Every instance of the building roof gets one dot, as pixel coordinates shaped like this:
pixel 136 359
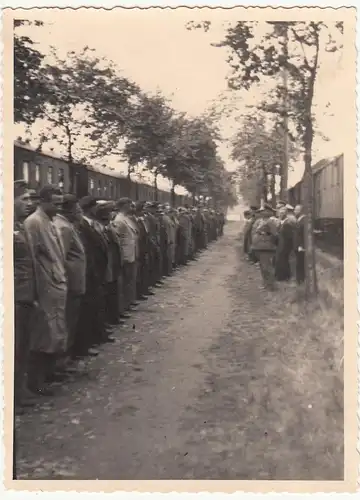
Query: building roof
pixel 320 165
pixel 297 176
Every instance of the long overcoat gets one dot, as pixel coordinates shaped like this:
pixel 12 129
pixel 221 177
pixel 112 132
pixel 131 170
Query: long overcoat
pixel 50 334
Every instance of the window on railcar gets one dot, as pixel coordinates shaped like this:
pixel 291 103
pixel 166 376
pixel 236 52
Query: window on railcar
pixel 111 189
pixel 61 177
pixel 91 184
pixel 26 171
pixel 50 177
pixel 99 187
pixel 37 174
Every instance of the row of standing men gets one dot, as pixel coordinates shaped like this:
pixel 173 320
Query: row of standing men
pixel 275 239
pixel 81 267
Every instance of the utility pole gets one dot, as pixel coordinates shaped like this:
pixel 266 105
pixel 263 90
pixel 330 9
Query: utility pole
pixel 282 28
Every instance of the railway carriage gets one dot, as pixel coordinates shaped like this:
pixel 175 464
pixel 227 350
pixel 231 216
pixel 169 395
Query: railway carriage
pixel 40 168
pixel 328 186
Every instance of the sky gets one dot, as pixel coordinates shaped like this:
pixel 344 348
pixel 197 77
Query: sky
pixel 154 48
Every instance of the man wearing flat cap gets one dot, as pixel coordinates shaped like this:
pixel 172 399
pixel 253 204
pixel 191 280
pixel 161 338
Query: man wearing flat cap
pixel 24 295
pixel 67 222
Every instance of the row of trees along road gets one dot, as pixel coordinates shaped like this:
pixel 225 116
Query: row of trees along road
pixel 93 111
pixel 293 50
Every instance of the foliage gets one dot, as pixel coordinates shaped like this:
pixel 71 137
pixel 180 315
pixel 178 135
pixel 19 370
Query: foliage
pixel 94 112
pixel 258 151
pixel 293 50
pixel 30 91
pixel 84 88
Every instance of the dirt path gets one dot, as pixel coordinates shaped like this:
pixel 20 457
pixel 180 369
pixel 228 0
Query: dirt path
pixel 193 388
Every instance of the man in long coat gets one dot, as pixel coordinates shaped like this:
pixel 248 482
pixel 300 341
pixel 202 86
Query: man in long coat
pixel 91 324
pixel 128 235
pixel 75 263
pixel 50 335
pixel 102 215
pixel 284 246
pixel 143 269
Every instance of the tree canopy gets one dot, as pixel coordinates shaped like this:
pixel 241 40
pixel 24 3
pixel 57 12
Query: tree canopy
pixel 93 111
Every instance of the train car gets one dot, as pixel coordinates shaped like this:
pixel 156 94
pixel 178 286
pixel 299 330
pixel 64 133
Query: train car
pixel 39 168
pixel 328 186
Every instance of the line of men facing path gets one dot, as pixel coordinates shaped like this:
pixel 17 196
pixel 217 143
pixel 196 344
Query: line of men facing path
pixel 275 239
pixel 81 266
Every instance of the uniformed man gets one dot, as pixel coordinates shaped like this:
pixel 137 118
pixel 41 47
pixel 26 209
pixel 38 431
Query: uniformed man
pixel 263 236
pixel 24 295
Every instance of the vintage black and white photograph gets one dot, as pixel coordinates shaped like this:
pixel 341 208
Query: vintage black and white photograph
pixel 179 188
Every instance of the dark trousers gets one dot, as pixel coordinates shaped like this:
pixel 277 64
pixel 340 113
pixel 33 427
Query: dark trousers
pixel 129 283
pixel 91 323
pixel 111 302
pixel 41 366
pixel 142 277
pixel 23 316
pixel 266 267
pixel 73 303
pixel 282 266
pixel 300 267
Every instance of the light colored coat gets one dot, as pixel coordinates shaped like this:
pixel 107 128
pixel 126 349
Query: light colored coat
pixel 128 235
pixel 50 334
pixel 75 262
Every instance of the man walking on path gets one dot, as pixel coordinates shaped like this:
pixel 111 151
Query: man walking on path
pixel 263 237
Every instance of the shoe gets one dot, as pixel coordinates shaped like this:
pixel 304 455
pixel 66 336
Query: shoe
pixel 92 353
pixel 109 340
pixel 125 315
pixel 150 292
pixel 143 297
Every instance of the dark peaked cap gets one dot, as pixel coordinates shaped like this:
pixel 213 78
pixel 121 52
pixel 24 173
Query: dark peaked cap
pixel 87 202
pixel 104 209
pixel 20 187
pixel 69 202
pixel 123 201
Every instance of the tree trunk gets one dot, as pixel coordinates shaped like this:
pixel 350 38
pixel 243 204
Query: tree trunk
pixel 264 187
pixel 156 191
pixel 311 285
